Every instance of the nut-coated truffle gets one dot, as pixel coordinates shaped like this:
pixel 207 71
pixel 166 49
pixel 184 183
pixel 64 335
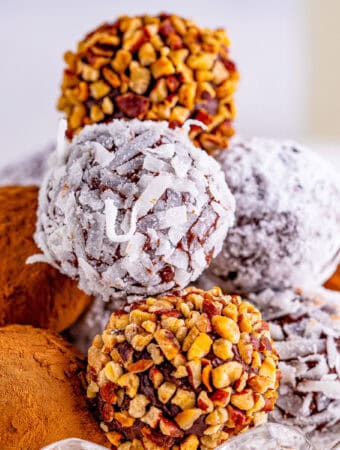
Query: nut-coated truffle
pixel 189 369
pixel 287 227
pixel 133 208
pixel 31 294
pixel 42 390
pixel 154 68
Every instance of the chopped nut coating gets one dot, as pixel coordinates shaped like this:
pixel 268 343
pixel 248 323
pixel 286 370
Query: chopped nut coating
pixel 169 68
pixel 153 390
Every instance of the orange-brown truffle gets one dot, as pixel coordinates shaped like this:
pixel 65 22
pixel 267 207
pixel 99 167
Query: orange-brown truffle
pixel 34 294
pixel 41 390
pixel 152 67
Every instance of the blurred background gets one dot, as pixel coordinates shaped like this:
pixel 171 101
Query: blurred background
pixel 287 53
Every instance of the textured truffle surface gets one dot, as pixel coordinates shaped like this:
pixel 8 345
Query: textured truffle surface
pixel 152 68
pixel 306 331
pixel 42 391
pixel 31 294
pixel 190 369
pixel 133 208
pixel 287 228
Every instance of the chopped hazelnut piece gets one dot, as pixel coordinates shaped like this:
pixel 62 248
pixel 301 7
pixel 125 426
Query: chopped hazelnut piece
pixel 166 391
pixel 184 399
pixel 225 374
pixel 200 347
pixel 226 328
pixel 186 419
pixel 168 343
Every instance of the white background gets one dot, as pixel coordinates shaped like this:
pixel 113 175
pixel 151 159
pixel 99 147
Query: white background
pixel 272 43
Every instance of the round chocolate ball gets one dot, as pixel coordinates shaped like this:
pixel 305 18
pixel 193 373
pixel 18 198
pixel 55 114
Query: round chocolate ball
pixel 133 208
pixel 306 330
pixel 32 294
pixel 287 228
pixel 42 390
pixel 189 369
pixel 155 68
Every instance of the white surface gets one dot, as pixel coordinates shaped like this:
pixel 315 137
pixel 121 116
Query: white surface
pixel 269 44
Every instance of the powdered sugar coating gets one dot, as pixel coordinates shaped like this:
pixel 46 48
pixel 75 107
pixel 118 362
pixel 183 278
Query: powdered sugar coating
pixel 287 229
pixel 133 208
pixel 306 329
pixel 30 171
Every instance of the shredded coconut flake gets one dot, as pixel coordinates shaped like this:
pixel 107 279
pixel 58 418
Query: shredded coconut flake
pixel 310 356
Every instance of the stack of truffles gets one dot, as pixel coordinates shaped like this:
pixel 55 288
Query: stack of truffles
pixel 145 194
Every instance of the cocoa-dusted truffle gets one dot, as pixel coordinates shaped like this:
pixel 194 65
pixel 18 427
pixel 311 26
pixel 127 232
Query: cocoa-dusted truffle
pixel 42 390
pixel 156 68
pixel 133 208
pixel 31 294
pixel 287 227
pixel 306 331
pixel 191 368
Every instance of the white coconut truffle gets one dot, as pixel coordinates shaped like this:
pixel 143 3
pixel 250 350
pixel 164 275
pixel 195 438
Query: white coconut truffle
pixel 132 208
pixel 287 228
pixel 306 330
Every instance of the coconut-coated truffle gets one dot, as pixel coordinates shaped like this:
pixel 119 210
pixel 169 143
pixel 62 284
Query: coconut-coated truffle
pixel 189 369
pixel 305 327
pixel 287 227
pixel 35 294
pixel 133 208
pixel 42 390
pixel 152 68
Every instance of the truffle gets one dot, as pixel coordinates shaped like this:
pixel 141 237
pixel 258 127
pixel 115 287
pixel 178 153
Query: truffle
pixel 306 331
pixel 31 294
pixel 191 368
pixel 156 68
pixel 28 172
pixel 42 390
pixel 133 208
pixel 270 436
pixel 73 444
pixel 287 227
